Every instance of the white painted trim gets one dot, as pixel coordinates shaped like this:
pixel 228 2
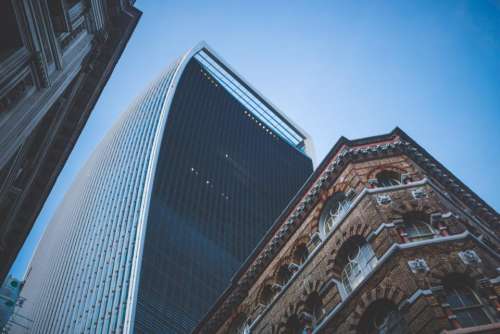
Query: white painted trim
pixel 388 254
pixel 148 189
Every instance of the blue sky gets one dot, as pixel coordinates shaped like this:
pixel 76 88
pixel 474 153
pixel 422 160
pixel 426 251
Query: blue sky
pixel 352 68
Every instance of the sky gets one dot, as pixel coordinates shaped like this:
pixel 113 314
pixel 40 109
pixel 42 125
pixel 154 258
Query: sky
pixel 336 68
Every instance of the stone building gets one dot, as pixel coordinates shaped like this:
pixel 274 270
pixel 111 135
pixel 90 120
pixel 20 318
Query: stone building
pixel 381 239
pixel 55 58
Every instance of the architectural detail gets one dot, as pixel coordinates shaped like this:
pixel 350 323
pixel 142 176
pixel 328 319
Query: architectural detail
pixel 383 199
pixel 392 268
pixel 469 256
pixel 418 193
pixel 372 182
pixel 51 75
pixel 405 178
pixel 418 266
pixel 168 207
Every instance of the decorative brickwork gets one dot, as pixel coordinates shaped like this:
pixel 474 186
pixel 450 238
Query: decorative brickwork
pixel 408 249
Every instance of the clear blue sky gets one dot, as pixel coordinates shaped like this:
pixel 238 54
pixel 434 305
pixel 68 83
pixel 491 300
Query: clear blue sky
pixel 352 68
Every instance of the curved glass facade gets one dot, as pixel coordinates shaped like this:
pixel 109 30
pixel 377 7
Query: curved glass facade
pixel 168 207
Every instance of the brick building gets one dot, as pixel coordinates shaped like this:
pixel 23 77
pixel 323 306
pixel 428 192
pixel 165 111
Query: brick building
pixel 381 239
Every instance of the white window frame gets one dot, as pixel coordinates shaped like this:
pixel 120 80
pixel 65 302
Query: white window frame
pixel 358 266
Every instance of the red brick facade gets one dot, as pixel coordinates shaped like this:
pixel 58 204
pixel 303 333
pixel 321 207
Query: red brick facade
pixel 415 253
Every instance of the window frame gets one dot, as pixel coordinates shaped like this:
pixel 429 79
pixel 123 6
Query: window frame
pixel 300 254
pixel 315 308
pixel 459 291
pixel 283 274
pixel 335 209
pixel 393 320
pixel 389 178
pixel 364 261
pixel 413 224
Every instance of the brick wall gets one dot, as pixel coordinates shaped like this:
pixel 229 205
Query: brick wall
pixel 380 216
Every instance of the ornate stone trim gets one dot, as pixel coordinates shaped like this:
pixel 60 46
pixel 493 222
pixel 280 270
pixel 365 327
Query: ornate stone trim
pixel 383 199
pixel 418 266
pixel 418 193
pixel 469 257
pixel 325 180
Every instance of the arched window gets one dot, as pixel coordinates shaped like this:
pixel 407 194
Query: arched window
pixel 417 227
pixel 314 308
pixel 382 317
pixel 244 329
pixel 284 274
pixel 464 302
pixel 240 325
pixel 267 294
pixel 300 254
pixel 334 210
pixel 358 260
pixel 294 325
pixel 388 178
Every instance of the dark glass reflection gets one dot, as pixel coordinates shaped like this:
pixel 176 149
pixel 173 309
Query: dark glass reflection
pixel 220 183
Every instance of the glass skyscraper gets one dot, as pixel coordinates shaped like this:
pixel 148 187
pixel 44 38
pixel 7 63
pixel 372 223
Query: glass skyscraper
pixel 168 207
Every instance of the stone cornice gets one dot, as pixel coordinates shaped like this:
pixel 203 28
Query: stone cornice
pixel 390 252
pixel 342 154
pixel 396 248
pixel 84 90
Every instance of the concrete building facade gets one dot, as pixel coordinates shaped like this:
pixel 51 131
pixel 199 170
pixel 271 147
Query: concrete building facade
pixel 381 239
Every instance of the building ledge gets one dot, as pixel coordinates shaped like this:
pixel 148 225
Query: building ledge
pixel 483 329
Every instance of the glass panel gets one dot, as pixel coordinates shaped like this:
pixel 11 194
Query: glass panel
pixel 419 230
pixel 394 324
pixel 301 254
pixel 478 316
pixel 453 299
pixel 468 298
pixel 388 179
pixel 249 100
pixel 360 262
pixel 467 307
pixel 386 321
pixel 464 318
pixel 294 326
pixel 336 208
pixel 199 233
pixel 284 275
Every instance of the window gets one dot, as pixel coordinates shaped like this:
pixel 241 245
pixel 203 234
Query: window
pixel 58 15
pixel 382 317
pixel 267 295
pixel 334 210
pixel 388 178
pixel 240 325
pixel 300 254
pixel 284 274
pixel 314 308
pixel 294 326
pixel 245 329
pixel 417 228
pixel 358 261
pixel 464 302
